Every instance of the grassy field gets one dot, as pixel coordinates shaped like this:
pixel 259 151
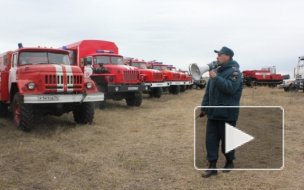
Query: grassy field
pixel 147 147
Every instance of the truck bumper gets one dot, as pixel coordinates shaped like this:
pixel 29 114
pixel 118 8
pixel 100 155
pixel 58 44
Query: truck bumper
pixel 62 98
pixel 157 84
pixel 180 82
pixel 127 87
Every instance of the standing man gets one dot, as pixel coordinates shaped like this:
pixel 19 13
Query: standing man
pixel 224 88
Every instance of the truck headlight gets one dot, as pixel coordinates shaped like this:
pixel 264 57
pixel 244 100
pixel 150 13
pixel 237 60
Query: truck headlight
pixel 31 85
pixel 89 85
pixel 116 88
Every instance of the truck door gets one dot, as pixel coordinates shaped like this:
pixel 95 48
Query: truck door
pixel 12 72
pixel 88 68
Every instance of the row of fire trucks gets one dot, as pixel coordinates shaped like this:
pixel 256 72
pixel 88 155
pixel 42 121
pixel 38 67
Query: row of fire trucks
pixel 77 77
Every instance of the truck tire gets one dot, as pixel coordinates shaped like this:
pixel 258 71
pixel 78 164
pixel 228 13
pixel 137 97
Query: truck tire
pixel 158 92
pixel 23 113
pixel 174 89
pixel 84 113
pixel 151 93
pixel 182 88
pixel 3 109
pixel 102 104
pixel 135 99
pixel 293 88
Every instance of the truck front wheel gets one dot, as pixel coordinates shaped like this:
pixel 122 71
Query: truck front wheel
pixel 135 99
pixel 23 113
pixel 3 109
pixel 158 92
pixel 175 89
pixel 84 113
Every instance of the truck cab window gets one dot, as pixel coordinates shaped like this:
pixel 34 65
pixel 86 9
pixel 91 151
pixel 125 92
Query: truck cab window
pixel 101 59
pixel 43 58
pixel 117 60
pixel 72 57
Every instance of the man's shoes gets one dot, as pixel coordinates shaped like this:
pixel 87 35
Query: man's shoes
pixel 210 172
pixel 229 165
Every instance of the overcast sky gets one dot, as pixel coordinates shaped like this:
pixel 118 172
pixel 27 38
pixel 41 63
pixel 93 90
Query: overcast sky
pixel 176 32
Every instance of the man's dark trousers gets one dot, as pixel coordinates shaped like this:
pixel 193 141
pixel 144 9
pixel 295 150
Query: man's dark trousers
pixel 214 133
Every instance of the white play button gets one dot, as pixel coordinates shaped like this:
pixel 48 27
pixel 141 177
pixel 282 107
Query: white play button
pixel 235 138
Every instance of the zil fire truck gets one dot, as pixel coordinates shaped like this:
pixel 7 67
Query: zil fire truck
pixel 188 80
pixel 185 80
pixel 173 77
pixel 42 81
pixel 153 78
pixel 265 77
pixel 100 61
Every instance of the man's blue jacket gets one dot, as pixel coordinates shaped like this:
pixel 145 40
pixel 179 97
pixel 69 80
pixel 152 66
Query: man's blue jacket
pixel 224 90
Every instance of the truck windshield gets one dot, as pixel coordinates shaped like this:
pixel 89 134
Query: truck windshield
pixel 43 58
pixel 172 68
pixel 301 63
pixel 106 59
pixel 140 65
pixel 160 67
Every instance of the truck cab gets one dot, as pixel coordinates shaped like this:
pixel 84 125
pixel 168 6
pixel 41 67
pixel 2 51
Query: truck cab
pixel 100 61
pixel 151 77
pixel 173 77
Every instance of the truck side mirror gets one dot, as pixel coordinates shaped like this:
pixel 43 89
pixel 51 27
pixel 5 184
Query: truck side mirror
pixel 6 60
pixel 86 61
pixel 83 62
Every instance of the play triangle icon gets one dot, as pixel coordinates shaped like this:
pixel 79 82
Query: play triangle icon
pixel 235 138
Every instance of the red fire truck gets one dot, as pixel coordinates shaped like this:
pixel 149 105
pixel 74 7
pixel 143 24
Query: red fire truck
pixel 100 61
pixel 153 78
pixel 188 81
pixel 265 77
pixel 173 77
pixel 185 79
pixel 42 81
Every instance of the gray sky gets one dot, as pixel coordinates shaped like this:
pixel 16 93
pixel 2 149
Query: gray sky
pixel 180 32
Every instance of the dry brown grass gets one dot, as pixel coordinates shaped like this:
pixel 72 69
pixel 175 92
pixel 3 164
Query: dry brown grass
pixel 150 147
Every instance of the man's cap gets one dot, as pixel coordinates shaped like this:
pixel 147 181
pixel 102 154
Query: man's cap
pixel 226 51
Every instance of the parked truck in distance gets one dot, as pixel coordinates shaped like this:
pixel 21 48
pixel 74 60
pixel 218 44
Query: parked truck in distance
pixel 153 78
pixel 173 77
pixel 100 61
pixel 41 81
pixel 298 76
pixel 185 81
pixel 265 77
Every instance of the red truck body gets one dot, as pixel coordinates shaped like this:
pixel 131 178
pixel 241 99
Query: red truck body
pixel 100 61
pixel 42 81
pixel 173 77
pixel 261 77
pixel 151 77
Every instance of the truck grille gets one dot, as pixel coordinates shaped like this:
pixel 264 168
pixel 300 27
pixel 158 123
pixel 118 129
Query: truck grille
pixel 57 82
pixel 157 76
pixel 131 76
pixel 183 77
pixel 176 76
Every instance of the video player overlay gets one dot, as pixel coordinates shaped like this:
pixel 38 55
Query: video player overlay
pixel 258 139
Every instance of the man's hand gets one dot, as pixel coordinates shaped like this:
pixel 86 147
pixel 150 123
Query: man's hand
pixel 212 74
pixel 202 114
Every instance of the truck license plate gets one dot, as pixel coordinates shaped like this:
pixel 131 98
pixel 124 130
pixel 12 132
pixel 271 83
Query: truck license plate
pixel 48 98
pixel 132 88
